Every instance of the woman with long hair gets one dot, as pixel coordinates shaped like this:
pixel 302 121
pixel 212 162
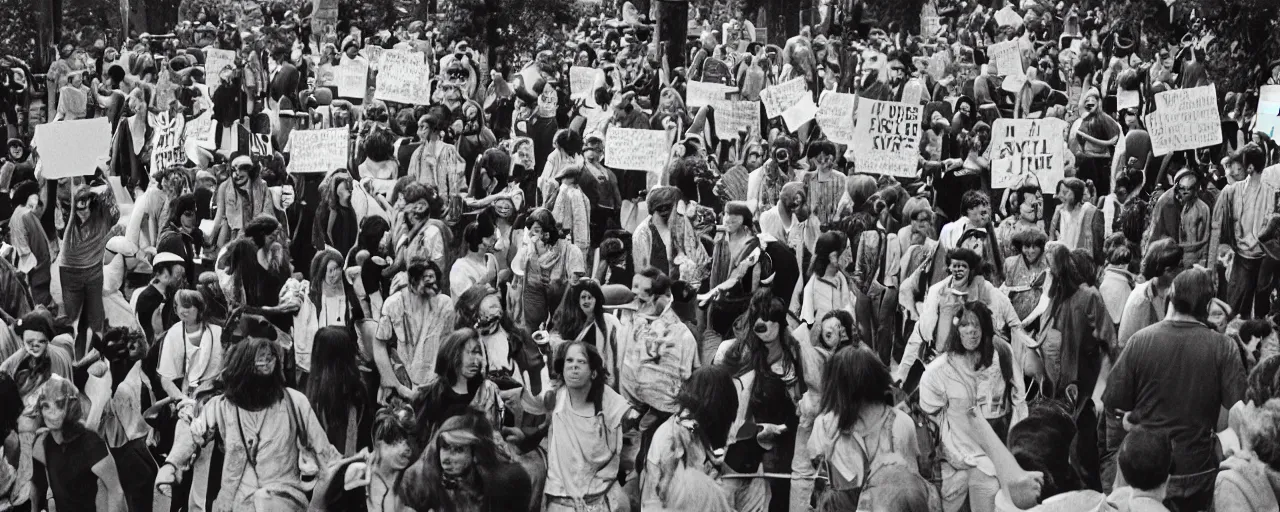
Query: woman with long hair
pixel 70 459
pixel 835 331
pixel 581 317
pixel 425 234
pixel 546 263
pixel 335 222
pixel 770 373
pixel 477 266
pixel 973 391
pixel 828 287
pixel 370 481
pixel 191 354
pixel 693 438
pixel 338 391
pixel 736 271
pixel 461 385
pixel 567 152
pixel 1080 332
pixel 463 469
pixel 370 255
pixel 330 301
pixel 512 359
pixel 857 424
pixel 182 234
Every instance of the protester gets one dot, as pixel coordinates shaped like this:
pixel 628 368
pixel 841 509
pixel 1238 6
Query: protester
pixel 70 458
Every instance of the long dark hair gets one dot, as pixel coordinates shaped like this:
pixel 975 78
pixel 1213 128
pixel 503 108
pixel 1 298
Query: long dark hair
pixel 854 377
pixel 335 383
pixel 750 353
pixel 829 242
pixel 570 320
pixel 243 387
pixel 711 398
pixel 846 322
pixel 969 313
pixel 1066 277
pixel 596 394
pixel 422 485
pixel 448 364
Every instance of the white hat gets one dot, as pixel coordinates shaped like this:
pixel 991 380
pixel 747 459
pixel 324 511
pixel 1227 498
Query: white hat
pixel 166 257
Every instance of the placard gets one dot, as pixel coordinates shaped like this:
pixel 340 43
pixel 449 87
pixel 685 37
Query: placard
pixel 404 78
pixel 800 113
pixel 887 138
pixel 701 94
pixel 166 141
pixel 779 98
pixel 1185 119
pixel 317 151
pixel 353 78
pixel 732 117
pixel 583 82
pixel 1127 99
pixel 1027 146
pixel 636 150
pixel 835 116
pixel 1006 57
pixel 1268 119
pixel 198 128
pixel 91 139
pixel 215 62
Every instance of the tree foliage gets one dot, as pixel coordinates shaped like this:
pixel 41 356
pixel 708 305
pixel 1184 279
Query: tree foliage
pixel 83 21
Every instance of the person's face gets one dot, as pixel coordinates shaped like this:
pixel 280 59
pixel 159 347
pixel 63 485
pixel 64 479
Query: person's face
pixel 1030 208
pixel 77 80
pixel 15 152
pixel 428 283
pixel 54 413
pixel 643 288
pixel 333 273
pixel 455 460
pixel 587 302
pixel 82 206
pixel 767 330
pixel 1218 317
pixel 897 73
pixel 979 215
pixel 1032 252
pixel 35 342
pixel 1067 196
pixel 732 223
pixel 396 455
pixel 959 271
pixel 175 273
pixel 1186 189
pixel 472 360
pixel 187 314
pixel 240 175
pixel 922 223
pixel 1091 104
pixel 424 129
pixel 503 208
pixel 754 159
pixel 490 307
pixel 592 153
pixel 577 368
pixel 1235 170
pixel 351 52
pixel 344 193
pixel 965 108
pixel 264 362
pixel 833 334
pixel 664 212
pixel 536 231
pixel 970 335
pixel 823 161
pixel 188 220
pixel 975 244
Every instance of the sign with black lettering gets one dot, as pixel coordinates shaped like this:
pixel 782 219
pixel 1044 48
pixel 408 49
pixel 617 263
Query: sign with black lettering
pixel 887 138
pixel 1020 147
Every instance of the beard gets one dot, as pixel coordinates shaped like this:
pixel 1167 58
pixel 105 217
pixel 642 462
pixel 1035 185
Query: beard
pixel 256 392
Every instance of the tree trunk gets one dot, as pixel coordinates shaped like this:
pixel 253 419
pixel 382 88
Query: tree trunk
pixel 672 30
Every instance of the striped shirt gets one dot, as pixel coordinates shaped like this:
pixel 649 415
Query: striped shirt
pixel 85 242
pixel 824 194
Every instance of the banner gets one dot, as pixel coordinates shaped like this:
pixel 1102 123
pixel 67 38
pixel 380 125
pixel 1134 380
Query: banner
pixel 583 82
pixel 1268 120
pixel 1028 146
pixel 887 138
pixel 1185 119
pixel 166 141
pixel 353 78
pixel 730 117
pixel 835 116
pixel 215 62
pixel 1006 57
pixel 800 113
pixel 779 98
pixel 198 128
pixel 317 151
pixel 91 139
pixel 404 78
pixel 1127 99
pixel 636 150
pixel 701 94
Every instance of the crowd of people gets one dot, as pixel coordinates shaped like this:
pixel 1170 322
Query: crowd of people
pixel 478 313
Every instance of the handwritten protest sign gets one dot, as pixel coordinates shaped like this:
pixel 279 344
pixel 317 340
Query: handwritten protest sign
pixel 583 81
pixel 1185 119
pixel 779 98
pixel 730 117
pixel 1022 147
pixel 887 138
pixel 166 141
pixel 800 113
pixel 91 139
pixel 404 78
pixel 215 62
pixel 1006 57
pixel 353 78
pixel 835 116
pixel 1269 110
pixel 701 94
pixel 199 127
pixel 636 150
pixel 317 151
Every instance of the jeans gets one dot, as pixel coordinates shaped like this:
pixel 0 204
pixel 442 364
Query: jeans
pixel 971 485
pixel 82 301
pixel 802 465
pixel 1248 287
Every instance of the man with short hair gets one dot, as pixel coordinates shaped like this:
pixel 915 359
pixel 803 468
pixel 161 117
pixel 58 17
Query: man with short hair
pixel 1176 376
pixel 414 321
pixel 153 305
pixel 1239 218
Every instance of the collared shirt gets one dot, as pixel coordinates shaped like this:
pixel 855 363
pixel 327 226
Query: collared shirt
pixel 822 295
pixel 85 242
pixel 824 191
pixel 660 354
